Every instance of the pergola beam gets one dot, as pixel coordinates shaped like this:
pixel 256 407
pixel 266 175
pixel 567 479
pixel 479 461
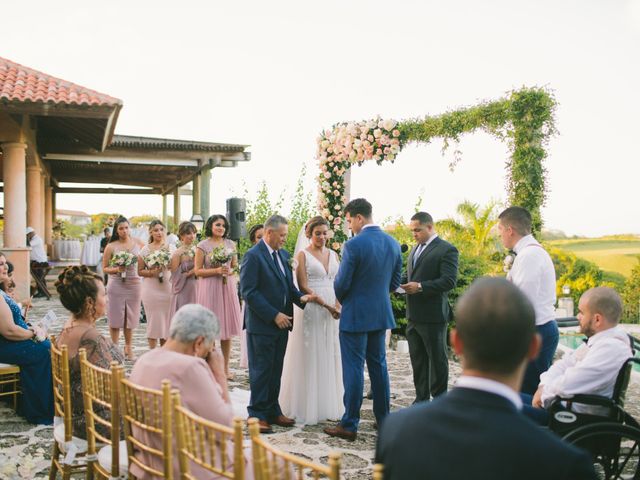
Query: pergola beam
pixel 108 190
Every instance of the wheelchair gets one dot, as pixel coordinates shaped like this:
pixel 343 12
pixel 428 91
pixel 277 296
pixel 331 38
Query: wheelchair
pixel 610 434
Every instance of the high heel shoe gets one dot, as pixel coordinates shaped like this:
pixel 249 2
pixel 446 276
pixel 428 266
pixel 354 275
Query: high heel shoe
pixel 128 354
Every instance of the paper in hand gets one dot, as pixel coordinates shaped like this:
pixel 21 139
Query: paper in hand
pixel 47 320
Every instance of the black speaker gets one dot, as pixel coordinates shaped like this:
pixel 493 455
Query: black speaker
pixel 236 208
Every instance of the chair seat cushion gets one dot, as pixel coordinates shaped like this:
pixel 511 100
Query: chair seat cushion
pixel 8 365
pixel 58 435
pixel 104 458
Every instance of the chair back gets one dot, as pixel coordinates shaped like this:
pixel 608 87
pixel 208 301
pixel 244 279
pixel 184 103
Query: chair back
pixel 624 375
pixel 147 415
pixel 207 444
pixel 61 386
pixel 101 393
pixel 378 471
pixel 270 463
pixel 10 382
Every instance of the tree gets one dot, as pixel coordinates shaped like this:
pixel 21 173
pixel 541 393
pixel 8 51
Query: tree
pixel 631 296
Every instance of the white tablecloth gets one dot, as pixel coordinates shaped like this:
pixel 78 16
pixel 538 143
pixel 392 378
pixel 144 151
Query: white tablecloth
pixel 90 252
pixel 67 249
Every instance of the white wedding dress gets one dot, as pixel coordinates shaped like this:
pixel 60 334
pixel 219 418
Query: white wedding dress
pixel 312 388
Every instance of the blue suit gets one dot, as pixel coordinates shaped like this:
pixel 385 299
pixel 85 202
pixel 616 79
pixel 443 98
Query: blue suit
pixel 267 291
pixel 370 269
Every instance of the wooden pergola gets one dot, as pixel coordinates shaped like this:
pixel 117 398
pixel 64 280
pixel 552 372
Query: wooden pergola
pixel 54 132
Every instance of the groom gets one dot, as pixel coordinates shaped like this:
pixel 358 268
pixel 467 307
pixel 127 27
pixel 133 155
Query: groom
pixel 266 283
pixel 370 269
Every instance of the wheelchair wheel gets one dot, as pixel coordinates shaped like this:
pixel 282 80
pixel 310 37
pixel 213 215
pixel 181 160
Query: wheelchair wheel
pixel 615 449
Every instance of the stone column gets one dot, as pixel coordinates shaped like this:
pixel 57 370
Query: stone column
pixel 195 194
pixel 48 215
pixel 15 218
pixel 15 194
pixel 165 216
pixel 176 208
pixel 205 186
pixel 34 199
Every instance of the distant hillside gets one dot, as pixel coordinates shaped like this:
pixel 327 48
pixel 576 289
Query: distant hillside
pixel 614 253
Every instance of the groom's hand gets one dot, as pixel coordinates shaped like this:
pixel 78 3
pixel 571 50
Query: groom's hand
pixel 283 321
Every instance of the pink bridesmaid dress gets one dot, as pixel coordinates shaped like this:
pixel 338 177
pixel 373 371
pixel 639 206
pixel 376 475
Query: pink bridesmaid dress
pixel 183 288
pixel 156 297
pixel 123 298
pixel 220 298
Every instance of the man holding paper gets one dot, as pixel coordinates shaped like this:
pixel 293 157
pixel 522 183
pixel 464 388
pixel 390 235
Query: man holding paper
pixel 432 271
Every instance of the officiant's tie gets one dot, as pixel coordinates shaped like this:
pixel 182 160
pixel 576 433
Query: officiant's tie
pixel 278 266
pixel 416 255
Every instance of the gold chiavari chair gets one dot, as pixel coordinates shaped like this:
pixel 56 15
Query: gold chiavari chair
pixel 207 444
pixel 101 391
pixel 68 451
pixel 270 463
pixel 147 416
pixel 10 382
pixel 378 471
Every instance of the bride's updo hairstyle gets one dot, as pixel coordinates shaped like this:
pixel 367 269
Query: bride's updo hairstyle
pixel 313 223
pixel 74 285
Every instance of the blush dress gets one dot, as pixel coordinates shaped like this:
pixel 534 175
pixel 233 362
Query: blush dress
pixel 156 298
pixel 183 288
pixel 123 298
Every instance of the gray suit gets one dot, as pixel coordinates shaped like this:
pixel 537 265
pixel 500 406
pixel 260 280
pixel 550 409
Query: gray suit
pixel 436 269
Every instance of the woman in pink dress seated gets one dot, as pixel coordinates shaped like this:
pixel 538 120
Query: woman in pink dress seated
pixel 190 362
pixel 183 279
pixel 156 286
pixel 217 284
pixel 125 288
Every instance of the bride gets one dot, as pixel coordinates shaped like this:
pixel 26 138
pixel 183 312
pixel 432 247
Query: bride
pixel 312 376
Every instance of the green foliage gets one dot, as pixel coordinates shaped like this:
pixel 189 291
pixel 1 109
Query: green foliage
pixel 262 207
pixel 631 297
pixel 100 221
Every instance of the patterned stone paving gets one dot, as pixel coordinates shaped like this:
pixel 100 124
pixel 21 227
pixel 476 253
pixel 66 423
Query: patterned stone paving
pixel 25 450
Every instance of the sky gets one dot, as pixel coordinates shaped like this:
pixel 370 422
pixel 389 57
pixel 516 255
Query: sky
pixel 274 74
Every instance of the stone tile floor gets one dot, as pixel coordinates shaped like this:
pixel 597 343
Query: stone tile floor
pixel 25 450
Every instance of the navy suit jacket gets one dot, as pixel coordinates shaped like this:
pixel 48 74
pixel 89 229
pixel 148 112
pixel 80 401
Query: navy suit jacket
pixel 265 290
pixel 371 267
pixel 474 434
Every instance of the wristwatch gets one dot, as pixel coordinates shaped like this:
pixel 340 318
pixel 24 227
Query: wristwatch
pixel 419 287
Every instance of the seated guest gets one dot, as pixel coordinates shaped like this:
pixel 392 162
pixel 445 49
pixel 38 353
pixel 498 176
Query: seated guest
pixel 593 367
pixel 82 293
pixel 28 348
pixel 192 365
pixel 476 430
pixel 38 257
pixel 9 287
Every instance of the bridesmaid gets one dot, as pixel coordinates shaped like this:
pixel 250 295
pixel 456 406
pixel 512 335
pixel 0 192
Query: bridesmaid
pixel 183 279
pixel 255 235
pixel 156 287
pixel 123 297
pixel 211 291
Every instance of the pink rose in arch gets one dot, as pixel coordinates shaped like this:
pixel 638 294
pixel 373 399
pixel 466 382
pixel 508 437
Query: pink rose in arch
pixel 327 175
pixel 396 133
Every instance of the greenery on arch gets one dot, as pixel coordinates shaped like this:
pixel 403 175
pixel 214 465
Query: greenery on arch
pixel 524 119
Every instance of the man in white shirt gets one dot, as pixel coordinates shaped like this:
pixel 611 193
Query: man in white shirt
pixel 39 261
pixel 477 430
pixel 533 272
pixel 593 367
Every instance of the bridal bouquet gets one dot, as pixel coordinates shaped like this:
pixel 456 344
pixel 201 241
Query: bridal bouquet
pixel 158 259
pixel 122 259
pixel 219 256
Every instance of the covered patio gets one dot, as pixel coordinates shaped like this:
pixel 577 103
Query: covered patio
pixel 58 137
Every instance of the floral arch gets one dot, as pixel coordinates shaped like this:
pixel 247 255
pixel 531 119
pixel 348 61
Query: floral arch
pixel 523 118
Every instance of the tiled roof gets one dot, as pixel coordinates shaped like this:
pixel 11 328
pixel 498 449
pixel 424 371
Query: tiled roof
pixel 150 143
pixel 22 84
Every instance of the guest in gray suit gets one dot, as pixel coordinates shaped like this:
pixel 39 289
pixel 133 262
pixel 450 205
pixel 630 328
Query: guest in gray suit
pixel 432 269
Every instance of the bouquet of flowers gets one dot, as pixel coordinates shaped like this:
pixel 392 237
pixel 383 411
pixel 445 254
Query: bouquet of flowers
pixel 122 259
pixel 158 259
pixel 191 250
pixel 219 256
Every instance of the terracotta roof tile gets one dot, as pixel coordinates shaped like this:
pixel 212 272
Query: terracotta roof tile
pixel 23 84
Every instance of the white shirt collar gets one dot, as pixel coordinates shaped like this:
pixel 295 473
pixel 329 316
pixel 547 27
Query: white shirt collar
pixel 616 331
pixel 524 242
pixel 271 250
pixel 490 386
pixel 431 239
pixel 368 225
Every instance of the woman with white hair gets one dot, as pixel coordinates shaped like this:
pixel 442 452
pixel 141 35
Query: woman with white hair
pixel 192 365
